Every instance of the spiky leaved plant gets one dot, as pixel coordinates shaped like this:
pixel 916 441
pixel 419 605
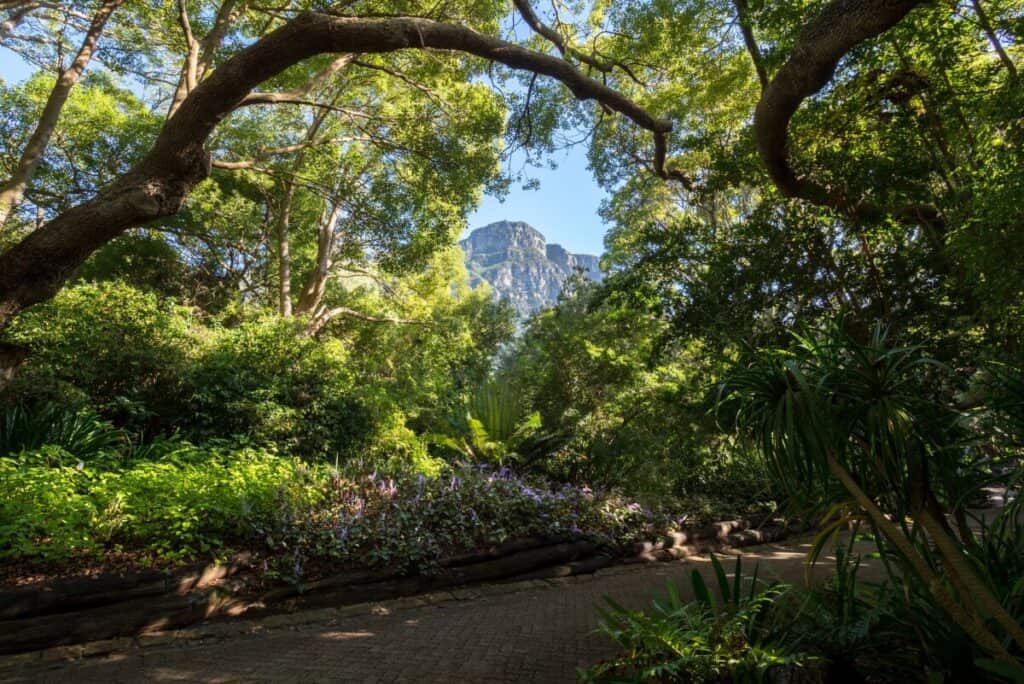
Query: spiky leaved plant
pixel 849 423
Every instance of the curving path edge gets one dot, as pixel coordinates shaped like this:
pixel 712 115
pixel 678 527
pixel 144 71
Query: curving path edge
pixel 533 631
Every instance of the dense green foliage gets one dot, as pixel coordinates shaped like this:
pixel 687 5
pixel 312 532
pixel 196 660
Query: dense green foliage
pixel 858 431
pixel 293 362
pixel 155 367
pixel 171 501
pixel 623 403
pixel 730 633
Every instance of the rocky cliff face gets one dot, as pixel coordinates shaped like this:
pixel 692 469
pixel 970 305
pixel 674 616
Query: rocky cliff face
pixel 515 259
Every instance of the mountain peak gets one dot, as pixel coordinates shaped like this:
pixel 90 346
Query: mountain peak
pixel 502 236
pixel 520 266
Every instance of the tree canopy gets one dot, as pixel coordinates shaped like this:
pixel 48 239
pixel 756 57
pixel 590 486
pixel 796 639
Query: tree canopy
pixel 233 314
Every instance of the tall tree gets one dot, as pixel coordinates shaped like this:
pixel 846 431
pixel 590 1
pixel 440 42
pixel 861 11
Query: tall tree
pixel 12 190
pixel 160 182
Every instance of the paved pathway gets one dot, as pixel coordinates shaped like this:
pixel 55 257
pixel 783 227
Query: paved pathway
pixel 541 634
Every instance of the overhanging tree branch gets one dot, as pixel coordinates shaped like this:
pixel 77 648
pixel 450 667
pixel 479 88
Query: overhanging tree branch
pixel 659 163
pixel 993 38
pixel 301 95
pixel 320 320
pixel 199 53
pixel 837 29
pixel 12 190
pixel 18 15
pixel 266 153
pixel 35 269
pixel 555 38
pixel 747 29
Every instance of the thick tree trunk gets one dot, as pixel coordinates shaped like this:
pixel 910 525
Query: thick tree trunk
pixel 13 189
pixel 284 252
pixel 11 356
pixel 316 285
pixel 35 269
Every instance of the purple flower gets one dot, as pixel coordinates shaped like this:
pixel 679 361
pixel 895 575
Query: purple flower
pixel 530 493
pixel 388 488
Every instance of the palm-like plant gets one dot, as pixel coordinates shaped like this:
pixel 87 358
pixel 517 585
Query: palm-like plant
pixel 497 409
pixel 80 433
pixel 850 424
pixel 736 635
pixel 495 427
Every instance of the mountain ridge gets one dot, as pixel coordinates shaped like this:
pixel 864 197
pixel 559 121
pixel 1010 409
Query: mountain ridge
pixel 516 260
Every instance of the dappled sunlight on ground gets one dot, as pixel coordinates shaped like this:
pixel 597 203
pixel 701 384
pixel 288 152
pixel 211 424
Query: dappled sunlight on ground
pixel 341 636
pixel 540 634
pixel 787 561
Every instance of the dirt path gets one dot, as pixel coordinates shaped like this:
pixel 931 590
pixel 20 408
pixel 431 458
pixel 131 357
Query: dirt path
pixel 541 634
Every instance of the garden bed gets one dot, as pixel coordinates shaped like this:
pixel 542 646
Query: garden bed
pixel 85 609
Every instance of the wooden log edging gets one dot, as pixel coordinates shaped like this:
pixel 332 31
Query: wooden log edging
pixel 79 611
pixel 80 593
pixel 718 536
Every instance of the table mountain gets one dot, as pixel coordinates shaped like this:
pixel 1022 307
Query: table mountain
pixel 520 266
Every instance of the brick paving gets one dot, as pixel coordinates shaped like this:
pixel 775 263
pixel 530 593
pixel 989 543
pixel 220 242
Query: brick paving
pixel 539 634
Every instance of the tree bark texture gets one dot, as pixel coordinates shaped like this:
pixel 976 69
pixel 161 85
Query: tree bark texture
pixel 824 40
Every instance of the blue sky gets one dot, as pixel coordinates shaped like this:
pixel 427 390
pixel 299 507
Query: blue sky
pixel 564 207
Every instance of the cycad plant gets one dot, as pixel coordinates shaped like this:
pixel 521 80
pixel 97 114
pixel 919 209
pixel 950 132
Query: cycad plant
pixel 497 409
pixel 848 424
pixel 495 426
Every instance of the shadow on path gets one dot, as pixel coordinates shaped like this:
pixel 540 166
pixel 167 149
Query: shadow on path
pixel 537 635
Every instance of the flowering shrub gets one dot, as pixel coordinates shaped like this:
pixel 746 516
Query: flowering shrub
pixel 412 521
pixel 192 502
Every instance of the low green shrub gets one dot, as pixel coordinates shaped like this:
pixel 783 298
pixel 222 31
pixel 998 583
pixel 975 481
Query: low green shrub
pixel 81 432
pixel 119 350
pixel 266 380
pixel 739 635
pixel 843 631
pixel 172 501
pixel 46 513
pixel 188 503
